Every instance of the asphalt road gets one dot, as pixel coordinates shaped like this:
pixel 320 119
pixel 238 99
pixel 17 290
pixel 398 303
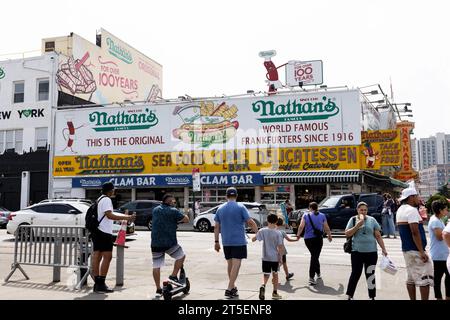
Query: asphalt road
pixel 206 270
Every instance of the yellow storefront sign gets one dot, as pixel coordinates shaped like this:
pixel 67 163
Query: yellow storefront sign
pixel 284 159
pixel 380 148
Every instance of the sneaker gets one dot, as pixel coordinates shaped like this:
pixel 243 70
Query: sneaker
pixel 349 298
pixel 312 282
pixel 233 293
pixel 174 279
pixel 289 276
pixel 102 288
pixel 159 293
pixel 262 291
pixel 276 296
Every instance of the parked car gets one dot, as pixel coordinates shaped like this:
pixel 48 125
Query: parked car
pixel 4 217
pixel 143 210
pixel 204 222
pixel 340 208
pixel 55 212
pixel 87 201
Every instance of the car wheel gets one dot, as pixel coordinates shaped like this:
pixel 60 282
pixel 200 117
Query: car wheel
pixel 26 234
pixel 203 225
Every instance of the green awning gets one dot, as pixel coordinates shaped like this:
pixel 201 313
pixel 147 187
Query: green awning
pixel 398 183
pixel 306 177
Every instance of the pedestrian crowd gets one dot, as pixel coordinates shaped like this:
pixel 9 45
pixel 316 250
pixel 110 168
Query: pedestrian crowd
pixel 363 234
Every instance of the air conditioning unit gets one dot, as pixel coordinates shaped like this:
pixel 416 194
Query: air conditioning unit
pixel 50 46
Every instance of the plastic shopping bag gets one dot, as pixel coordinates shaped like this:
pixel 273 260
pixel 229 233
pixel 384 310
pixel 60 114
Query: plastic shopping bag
pixel 387 265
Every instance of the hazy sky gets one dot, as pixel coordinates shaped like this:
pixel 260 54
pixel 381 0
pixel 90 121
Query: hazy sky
pixel 210 48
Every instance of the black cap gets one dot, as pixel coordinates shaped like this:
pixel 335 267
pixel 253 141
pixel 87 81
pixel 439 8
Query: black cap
pixel 231 192
pixel 107 186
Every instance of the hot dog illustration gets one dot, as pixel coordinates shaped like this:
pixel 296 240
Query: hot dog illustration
pixel 370 154
pixel 69 135
pixel 206 123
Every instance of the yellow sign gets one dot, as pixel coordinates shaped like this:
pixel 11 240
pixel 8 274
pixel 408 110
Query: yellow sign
pixel 406 172
pixel 284 159
pixel 380 148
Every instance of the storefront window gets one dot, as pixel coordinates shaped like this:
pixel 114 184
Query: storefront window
pixel 274 195
pixel 121 196
pixel 158 193
pixel 305 194
pixel 211 197
pixel 208 197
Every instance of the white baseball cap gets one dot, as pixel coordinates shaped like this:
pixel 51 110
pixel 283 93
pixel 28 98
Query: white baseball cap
pixel 407 192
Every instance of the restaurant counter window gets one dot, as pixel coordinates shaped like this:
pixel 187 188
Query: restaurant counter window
pixel 158 193
pixel 121 196
pixel 273 196
pixel 209 197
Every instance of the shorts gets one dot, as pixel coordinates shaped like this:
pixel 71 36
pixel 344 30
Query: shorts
pixel 235 252
pixel 159 253
pixel 270 266
pixel 419 273
pixel 283 258
pixel 102 241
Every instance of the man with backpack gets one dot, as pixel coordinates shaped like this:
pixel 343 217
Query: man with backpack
pixel 102 237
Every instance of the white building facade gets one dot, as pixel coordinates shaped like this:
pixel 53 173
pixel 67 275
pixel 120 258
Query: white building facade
pixel 27 93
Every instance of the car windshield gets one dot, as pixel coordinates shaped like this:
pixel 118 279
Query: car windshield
pixel 329 202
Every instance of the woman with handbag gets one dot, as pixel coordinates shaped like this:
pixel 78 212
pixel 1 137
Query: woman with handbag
pixel 314 223
pixel 365 233
pixel 387 216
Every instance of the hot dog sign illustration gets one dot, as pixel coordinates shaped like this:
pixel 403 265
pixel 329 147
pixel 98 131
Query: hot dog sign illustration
pixel 206 124
pixel 371 155
pixel 69 134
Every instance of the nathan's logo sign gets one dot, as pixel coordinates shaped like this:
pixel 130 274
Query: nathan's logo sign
pixel 296 110
pixel 206 124
pixel 119 52
pixel 123 120
pixel 2 73
pixel 108 165
pixel 379 136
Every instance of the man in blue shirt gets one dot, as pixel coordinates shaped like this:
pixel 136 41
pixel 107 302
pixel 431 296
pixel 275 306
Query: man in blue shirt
pixel 164 238
pixel 230 221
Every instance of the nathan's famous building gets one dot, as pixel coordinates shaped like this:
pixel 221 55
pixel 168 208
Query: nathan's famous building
pixel 300 146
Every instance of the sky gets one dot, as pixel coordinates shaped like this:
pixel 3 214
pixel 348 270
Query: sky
pixel 210 48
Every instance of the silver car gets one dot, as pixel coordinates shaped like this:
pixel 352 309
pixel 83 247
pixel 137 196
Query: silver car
pixel 205 221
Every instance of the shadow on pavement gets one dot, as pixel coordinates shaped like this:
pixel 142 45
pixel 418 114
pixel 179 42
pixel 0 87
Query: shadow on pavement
pixel 288 288
pixel 93 296
pixel 321 288
pixel 52 286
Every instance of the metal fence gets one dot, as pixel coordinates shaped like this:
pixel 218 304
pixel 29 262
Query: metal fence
pixel 57 247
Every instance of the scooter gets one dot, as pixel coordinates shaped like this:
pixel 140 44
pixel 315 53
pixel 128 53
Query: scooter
pixel 171 288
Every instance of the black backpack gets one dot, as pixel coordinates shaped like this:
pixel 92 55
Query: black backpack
pixel 91 219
